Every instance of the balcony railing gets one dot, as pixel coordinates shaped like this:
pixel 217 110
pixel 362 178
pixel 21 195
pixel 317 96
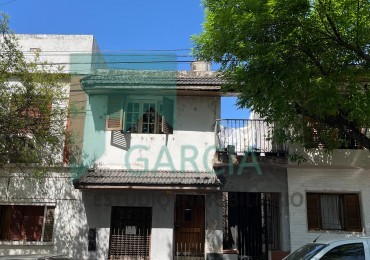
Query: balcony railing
pixel 246 135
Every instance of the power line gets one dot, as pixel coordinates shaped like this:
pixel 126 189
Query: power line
pixel 102 51
pixel 107 55
pixel 115 62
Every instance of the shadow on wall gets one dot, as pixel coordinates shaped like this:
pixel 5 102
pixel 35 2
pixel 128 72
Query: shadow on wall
pixel 353 157
pixel 71 229
pixel 120 140
pixel 98 206
pixel 98 110
pixel 55 190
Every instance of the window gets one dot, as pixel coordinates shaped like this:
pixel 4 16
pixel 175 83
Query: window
pixel 34 111
pixel 328 211
pixel 30 118
pixel 152 116
pixel 353 251
pixel 130 233
pixel 307 251
pixel 26 223
pixel 143 117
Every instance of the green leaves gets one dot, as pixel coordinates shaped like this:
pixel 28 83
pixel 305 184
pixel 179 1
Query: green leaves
pixel 292 58
pixel 33 106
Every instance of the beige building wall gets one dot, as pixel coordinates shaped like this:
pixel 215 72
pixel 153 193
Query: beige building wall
pixel 335 179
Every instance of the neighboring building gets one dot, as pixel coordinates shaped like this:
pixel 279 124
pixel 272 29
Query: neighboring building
pixel 46 215
pixel 252 170
pixel 329 195
pixel 326 195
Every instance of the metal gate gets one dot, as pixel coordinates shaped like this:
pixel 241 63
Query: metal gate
pixel 130 233
pixel 251 223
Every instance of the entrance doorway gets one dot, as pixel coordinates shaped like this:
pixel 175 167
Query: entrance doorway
pixel 251 223
pixel 189 227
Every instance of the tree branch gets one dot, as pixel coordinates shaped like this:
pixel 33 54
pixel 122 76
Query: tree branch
pixel 342 123
pixel 338 38
pixel 316 62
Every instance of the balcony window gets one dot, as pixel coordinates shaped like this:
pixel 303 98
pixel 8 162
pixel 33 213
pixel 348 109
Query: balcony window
pixel 153 116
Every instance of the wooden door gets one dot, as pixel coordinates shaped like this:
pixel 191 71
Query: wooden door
pixel 189 226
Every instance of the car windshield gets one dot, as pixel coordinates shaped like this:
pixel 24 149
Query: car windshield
pixel 306 252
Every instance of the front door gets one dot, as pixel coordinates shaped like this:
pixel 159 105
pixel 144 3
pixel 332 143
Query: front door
pixel 130 233
pixel 189 227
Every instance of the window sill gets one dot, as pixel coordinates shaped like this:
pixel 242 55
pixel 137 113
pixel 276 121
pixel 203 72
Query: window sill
pixel 25 243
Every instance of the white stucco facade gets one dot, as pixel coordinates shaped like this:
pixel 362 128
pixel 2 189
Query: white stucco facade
pixel 74 53
pixel 21 189
pixel 55 190
pixel 340 172
pixel 189 148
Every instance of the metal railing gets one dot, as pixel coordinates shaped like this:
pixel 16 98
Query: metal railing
pixel 241 136
pixel 125 246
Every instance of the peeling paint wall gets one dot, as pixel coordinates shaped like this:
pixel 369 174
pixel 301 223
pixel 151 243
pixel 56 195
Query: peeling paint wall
pixel 55 189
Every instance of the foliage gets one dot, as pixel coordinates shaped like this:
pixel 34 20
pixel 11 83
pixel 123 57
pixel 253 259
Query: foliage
pixel 297 63
pixel 33 110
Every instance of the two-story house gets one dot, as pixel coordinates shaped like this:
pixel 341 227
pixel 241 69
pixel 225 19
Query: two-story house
pixel 329 194
pixel 275 204
pixel 151 191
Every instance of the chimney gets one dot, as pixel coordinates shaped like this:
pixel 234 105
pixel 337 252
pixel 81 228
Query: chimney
pixel 200 66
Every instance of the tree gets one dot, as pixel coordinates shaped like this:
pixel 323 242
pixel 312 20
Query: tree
pixel 302 64
pixel 32 101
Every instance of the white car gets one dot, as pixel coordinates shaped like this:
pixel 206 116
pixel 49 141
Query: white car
pixel 342 249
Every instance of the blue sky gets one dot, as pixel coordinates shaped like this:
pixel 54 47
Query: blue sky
pixel 119 25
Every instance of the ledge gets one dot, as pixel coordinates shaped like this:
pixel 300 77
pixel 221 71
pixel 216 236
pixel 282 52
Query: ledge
pixel 254 157
pixel 25 243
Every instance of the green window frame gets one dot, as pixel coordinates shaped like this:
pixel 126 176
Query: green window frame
pixel 142 116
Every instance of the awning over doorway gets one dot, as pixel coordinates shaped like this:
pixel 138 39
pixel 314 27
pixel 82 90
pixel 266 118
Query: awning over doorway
pixel 148 180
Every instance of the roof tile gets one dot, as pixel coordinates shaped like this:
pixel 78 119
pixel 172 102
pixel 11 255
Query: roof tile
pixel 142 178
pixel 130 78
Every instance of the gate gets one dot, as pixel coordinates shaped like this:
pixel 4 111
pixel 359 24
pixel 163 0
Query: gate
pixel 130 233
pixel 251 223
